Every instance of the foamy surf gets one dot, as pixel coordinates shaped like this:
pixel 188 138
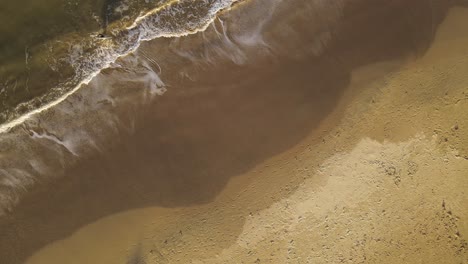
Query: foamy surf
pixel 155 24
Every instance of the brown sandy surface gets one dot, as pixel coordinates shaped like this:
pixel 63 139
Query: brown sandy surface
pixel 383 178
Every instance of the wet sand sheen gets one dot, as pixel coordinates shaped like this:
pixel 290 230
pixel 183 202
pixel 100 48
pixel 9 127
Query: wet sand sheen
pixel 201 138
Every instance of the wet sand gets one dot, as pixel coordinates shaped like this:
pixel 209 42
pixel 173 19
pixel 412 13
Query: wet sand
pixel 358 154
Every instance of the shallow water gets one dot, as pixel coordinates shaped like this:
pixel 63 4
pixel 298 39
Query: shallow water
pixel 44 57
pixel 33 49
pixel 170 124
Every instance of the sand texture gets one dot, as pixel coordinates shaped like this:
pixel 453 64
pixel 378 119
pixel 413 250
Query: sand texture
pixel 373 168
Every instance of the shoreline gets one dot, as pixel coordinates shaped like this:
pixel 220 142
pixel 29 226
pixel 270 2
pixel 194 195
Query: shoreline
pixel 8 125
pixel 364 193
pixel 193 147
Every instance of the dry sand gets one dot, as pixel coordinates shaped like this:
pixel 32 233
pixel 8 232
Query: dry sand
pixel 382 179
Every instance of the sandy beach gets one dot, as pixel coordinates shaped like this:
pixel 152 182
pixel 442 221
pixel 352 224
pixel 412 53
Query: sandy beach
pixel 351 147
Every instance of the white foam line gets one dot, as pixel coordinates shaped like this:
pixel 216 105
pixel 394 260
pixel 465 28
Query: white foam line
pixel 19 120
pixel 54 139
pixel 153 11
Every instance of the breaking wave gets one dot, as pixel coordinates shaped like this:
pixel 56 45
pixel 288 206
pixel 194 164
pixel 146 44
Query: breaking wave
pixel 91 55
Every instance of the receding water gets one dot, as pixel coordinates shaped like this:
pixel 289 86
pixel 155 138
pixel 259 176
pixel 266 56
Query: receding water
pixel 48 47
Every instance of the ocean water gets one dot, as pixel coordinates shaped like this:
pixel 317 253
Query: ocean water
pixel 55 46
pixel 150 100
